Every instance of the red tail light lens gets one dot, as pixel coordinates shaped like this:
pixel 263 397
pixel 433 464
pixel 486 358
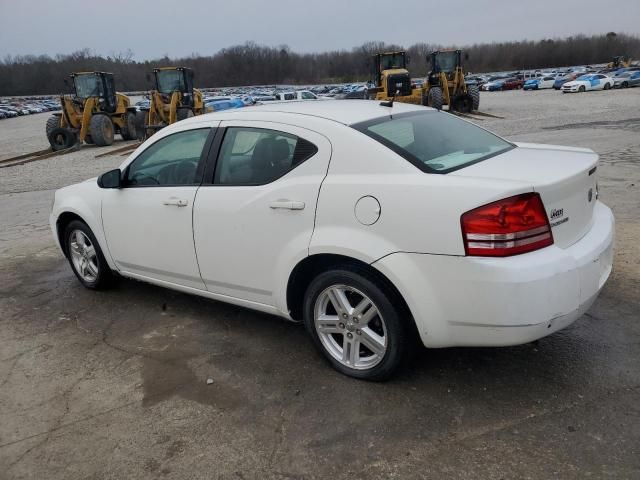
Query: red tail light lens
pixel 507 227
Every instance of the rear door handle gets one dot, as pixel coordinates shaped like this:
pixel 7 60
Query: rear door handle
pixel 287 204
pixel 176 202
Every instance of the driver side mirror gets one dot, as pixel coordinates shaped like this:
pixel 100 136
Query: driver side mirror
pixel 110 179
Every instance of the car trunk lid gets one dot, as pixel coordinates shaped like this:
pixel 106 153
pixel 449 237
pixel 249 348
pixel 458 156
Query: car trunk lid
pixel 563 176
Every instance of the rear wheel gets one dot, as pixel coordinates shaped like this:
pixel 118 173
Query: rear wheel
pixel 607 86
pixel 474 93
pixel 128 131
pixel 625 84
pixel 85 256
pixel 101 130
pixel 62 138
pixel 141 121
pixel 434 98
pixel 356 324
pixel 52 122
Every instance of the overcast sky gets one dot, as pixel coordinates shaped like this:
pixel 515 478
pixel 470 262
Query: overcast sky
pixel 182 27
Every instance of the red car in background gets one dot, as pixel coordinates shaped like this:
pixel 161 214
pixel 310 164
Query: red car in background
pixel 513 83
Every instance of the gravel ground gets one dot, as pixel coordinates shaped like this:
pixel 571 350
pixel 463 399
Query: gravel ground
pixel 114 384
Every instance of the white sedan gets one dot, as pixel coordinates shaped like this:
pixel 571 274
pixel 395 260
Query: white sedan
pixel 373 225
pixel 593 81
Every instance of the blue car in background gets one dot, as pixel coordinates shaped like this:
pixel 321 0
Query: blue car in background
pixel 226 104
pixel 560 81
pixel 531 84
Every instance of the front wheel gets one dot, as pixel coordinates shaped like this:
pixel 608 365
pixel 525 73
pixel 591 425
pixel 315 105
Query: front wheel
pixel 582 89
pixel 356 324
pixel 85 256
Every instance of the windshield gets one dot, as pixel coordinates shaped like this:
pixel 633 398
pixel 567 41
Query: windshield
pixel 435 142
pixel 88 85
pixel 392 60
pixel 170 80
pixel 446 62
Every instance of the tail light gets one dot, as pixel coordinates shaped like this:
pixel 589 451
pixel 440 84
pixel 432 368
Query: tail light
pixel 507 227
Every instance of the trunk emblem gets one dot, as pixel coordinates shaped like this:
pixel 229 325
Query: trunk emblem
pixel 556 213
pixel 590 194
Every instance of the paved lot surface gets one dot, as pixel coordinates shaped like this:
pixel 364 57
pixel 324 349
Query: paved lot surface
pixel 113 384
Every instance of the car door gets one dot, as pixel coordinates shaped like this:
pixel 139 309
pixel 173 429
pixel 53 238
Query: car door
pixel 254 219
pixel 148 222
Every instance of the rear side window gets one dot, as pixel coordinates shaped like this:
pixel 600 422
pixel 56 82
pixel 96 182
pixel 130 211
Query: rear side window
pixel 256 156
pixel 435 142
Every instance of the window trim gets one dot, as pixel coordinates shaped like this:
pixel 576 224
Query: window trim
pixel 362 127
pixel 200 170
pixel 216 150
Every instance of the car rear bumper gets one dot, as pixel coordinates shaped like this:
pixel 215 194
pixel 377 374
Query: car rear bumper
pixel 474 301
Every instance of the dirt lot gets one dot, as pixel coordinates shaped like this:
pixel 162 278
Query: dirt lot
pixel 113 384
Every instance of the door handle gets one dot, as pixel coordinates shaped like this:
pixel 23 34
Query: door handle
pixel 177 202
pixel 287 205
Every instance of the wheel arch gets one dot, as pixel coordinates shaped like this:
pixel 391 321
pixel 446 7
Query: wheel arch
pixel 309 267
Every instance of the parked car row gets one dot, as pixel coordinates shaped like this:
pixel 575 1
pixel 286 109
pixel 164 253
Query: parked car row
pixel 14 109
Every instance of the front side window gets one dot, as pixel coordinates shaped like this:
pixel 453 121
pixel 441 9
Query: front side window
pixel 435 142
pixel 173 160
pixel 256 156
pixel 308 96
pixel 88 85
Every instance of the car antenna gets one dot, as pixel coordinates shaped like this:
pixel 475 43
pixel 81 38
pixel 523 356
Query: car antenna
pixel 389 103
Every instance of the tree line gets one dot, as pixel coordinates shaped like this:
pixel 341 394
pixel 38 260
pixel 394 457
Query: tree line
pixel 253 64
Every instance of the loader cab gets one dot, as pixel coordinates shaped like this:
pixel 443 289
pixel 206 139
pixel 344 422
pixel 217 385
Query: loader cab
pixel 445 61
pixel 387 61
pixel 175 79
pixel 96 84
pixel 390 73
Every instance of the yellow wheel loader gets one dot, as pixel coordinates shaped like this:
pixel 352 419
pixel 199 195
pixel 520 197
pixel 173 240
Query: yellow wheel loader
pixel 173 99
pixel 392 80
pixel 446 84
pixel 620 62
pixel 93 113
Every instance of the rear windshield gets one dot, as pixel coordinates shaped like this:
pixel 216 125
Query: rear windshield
pixel 435 142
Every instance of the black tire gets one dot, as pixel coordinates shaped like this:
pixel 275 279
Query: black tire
pixel 582 89
pixel 141 121
pixel 462 103
pixel 607 86
pixel 104 276
pixel 101 130
pixel 184 113
pixel 88 139
pixel 128 131
pixel 434 98
pixel 52 122
pixel 625 84
pixel 62 138
pixel 474 92
pixel 396 321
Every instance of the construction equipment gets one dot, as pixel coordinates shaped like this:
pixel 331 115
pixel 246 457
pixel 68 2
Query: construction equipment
pixel 173 99
pixel 620 61
pixel 93 113
pixel 446 83
pixel 392 80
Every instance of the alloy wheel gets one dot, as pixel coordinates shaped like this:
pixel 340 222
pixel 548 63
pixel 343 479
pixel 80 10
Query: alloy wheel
pixel 83 256
pixel 350 327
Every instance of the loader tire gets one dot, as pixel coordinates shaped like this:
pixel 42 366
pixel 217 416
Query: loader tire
pixel 101 130
pixel 474 92
pixel 141 120
pixel 434 98
pixel 52 122
pixel 128 131
pixel 184 113
pixel 62 138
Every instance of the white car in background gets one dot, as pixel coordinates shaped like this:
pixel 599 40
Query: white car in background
pixel 297 95
pixel 591 81
pixel 374 225
pixel 546 82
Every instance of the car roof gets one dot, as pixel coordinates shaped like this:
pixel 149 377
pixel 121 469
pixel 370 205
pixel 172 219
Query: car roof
pixel 346 112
